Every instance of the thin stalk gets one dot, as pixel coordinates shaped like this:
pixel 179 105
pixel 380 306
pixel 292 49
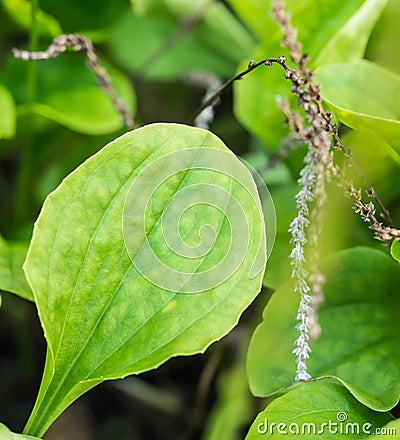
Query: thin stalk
pixel 22 184
pixel 251 66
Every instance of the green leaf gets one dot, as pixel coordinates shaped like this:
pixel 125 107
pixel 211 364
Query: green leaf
pixel 216 43
pixel 101 317
pixel 350 42
pixel 395 250
pixel 157 61
pixel 7 115
pixel 330 26
pixel 255 13
pixel 215 27
pixel 67 93
pixel 363 96
pixel 320 409
pixel 20 11
pixel 358 344
pixel 12 278
pixel 6 434
pixel 379 163
pixel 385 39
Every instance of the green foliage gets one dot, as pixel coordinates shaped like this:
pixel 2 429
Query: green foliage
pixel 98 266
pixel 8 116
pixel 216 44
pixel 378 160
pixel 349 42
pixel 359 299
pixel 383 42
pixel 21 12
pixel 68 94
pixel 320 409
pixel 90 17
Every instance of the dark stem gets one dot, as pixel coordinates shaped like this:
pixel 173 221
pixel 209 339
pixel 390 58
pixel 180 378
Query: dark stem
pixel 252 65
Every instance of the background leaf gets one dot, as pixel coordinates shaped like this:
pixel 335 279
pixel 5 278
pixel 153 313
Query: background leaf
pixel 7 114
pixel 12 278
pixel 214 42
pixel 20 11
pixel 395 250
pixel 320 404
pixel 89 17
pixel 370 105
pixel 380 165
pixel 350 42
pixel 384 39
pixel 359 301
pixel 102 319
pixel 67 93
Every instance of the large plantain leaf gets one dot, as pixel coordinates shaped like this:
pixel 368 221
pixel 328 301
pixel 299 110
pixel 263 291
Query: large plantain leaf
pixel 363 96
pixel 359 340
pixel 324 29
pixel 102 318
pixel 12 278
pixel 321 409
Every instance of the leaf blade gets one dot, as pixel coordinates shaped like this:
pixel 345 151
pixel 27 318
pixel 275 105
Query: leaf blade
pixel 103 319
pixel 350 42
pixel 395 250
pixel 320 408
pixel 8 114
pixel 361 95
pixel 12 278
pixel 356 296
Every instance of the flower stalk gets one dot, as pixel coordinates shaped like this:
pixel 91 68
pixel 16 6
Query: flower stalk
pixel 314 129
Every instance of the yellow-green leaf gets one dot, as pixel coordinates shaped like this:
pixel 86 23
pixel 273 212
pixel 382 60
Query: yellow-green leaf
pixel 162 195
